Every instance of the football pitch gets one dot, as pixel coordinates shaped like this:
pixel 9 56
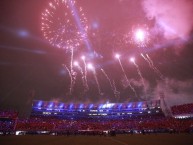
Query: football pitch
pixel 153 139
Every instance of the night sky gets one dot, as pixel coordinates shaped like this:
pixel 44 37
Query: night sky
pixel 33 69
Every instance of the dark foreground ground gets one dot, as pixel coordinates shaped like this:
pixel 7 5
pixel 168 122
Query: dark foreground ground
pixel 160 139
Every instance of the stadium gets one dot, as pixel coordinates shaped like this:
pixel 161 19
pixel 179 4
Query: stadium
pixel 135 117
pixel 96 120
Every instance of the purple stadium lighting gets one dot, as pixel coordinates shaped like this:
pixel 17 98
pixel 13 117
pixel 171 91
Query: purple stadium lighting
pixel 81 106
pixel 61 105
pixel 51 105
pixel 90 106
pixel 71 106
pixel 40 103
pixel 129 105
pixel 139 105
pixel 120 105
pixel 100 106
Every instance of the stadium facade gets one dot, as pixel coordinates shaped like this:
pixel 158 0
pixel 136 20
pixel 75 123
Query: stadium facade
pixel 100 111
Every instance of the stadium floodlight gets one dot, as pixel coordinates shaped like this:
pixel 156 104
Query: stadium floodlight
pixel 91 105
pixel 61 105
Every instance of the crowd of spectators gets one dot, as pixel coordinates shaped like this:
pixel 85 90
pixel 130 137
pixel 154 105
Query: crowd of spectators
pixel 8 114
pixel 145 124
pixel 182 109
pixel 162 124
pixel 7 125
pixel 7 120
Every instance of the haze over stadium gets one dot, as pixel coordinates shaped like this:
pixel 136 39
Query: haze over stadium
pixel 89 51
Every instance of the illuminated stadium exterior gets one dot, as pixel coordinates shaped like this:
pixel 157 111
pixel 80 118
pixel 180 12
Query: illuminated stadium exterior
pixel 96 111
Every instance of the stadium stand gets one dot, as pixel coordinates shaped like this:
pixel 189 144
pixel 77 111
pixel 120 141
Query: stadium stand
pixel 182 109
pixel 91 119
pixel 7 121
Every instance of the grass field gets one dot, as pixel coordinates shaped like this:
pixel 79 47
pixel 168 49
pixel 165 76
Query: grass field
pixel 160 139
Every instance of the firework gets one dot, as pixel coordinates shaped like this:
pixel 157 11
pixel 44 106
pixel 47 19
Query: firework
pixel 85 72
pixel 91 67
pixel 117 56
pixel 155 68
pixel 112 87
pixel 71 79
pixel 64 26
pixel 146 60
pixel 117 93
pixel 59 25
pixel 132 59
pixel 82 73
pixel 83 57
pixel 140 36
pixel 152 66
pixel 76 63
pixel 71 60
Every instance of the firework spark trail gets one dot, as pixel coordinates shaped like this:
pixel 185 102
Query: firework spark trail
pixel 85 75
pixel 151 65
pixel 132 88
pixel 83 78
pixel 71 80
pixel 140 75
pixel 149 59
pixel 117 93
pixel 154 68
pixel 73 73
pixel 108 79
pixel 71 60
pixel 97 82
pixel 146 60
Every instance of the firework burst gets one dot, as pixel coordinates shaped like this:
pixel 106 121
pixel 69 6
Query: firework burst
pixel 139 36
pixel 59 25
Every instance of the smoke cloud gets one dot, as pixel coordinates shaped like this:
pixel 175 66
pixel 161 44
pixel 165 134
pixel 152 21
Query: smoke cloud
pixel 176 92
pixel 173 17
